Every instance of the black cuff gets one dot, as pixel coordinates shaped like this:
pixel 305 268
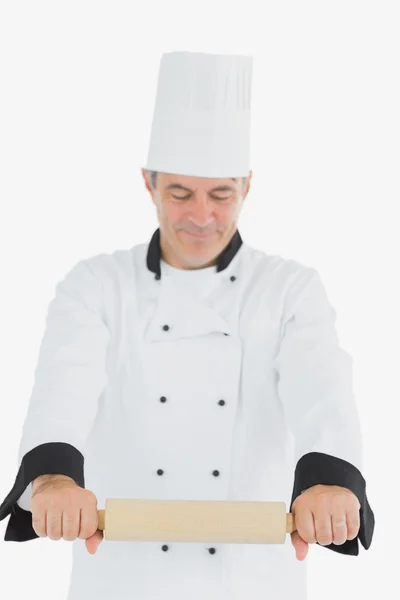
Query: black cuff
pixel 53 458
pixel 317 468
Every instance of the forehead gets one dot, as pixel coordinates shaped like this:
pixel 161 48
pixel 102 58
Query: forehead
pixel 193 183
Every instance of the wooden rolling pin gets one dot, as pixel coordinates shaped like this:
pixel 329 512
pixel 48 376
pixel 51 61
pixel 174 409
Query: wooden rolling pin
pixel 218 521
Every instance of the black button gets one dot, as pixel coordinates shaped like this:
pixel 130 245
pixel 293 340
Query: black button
pixel 233 278
pixel 215 473
pixel 226 333
pixel 166 327
pixel 212 550
pixel 221 402
pixel 157 277
pixel 160 472
pixel 164 548
pixel 163 399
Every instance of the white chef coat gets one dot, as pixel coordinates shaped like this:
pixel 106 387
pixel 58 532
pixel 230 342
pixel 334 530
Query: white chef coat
pixel 223 383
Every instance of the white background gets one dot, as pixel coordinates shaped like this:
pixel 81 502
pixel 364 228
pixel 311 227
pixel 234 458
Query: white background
pixel 78 83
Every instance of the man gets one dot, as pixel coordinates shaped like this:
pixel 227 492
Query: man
pixel 192 367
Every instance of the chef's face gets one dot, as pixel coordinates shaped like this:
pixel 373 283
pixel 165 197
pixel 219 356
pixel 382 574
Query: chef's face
pixel 197 216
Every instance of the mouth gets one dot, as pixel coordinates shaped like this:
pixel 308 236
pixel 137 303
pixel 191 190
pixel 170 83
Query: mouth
pixel 199 236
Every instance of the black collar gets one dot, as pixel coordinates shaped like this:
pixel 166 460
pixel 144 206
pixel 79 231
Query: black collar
pixel 224 259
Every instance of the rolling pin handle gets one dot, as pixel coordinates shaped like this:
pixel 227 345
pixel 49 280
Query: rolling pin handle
pixel 290 524
pixel 102 515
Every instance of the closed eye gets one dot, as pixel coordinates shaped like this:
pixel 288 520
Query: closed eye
pixel 188 196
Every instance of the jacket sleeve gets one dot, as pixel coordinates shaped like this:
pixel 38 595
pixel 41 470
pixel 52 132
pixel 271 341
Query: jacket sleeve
pixel 314 380
pixel 69 379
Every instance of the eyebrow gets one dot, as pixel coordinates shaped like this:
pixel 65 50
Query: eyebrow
pixel 220 188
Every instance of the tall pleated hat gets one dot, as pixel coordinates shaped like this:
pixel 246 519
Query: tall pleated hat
pixel 201 120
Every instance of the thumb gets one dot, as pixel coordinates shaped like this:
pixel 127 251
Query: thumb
pixel 300 545
pixel 93 542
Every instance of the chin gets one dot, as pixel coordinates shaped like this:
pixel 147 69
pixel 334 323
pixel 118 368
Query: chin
pixel 197 251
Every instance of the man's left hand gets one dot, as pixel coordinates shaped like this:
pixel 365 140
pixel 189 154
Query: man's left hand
pixel 325 514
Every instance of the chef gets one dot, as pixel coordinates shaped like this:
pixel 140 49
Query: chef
pixel 197 367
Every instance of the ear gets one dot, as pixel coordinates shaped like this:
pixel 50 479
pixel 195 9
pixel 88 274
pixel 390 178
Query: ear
pixel 247 184
pixel 249 181
pixel 146 180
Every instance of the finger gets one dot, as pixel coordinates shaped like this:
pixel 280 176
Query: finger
pixel 300 546
pixel 339 528
pixel 305 525
pixel 88 523
pixel 323 527
pixel 39 521
pixel 53 524
pixel 353 524
pixel 70 524
pixel 93 542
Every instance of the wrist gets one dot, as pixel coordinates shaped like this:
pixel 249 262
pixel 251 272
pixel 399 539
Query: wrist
pixel 49 478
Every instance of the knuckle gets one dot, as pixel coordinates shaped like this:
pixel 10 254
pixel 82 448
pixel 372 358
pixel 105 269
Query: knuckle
pixel 52 501
pixel 339 541
pixel 324 500
pixel 303 499
pixel 339 525
pixel 309 538
pixel 339 534
pixel 85 532
pixel 90 497
pixel 353 521
pixel 39 532
pixel 324 539
pixel 38 528
pixel 65 496
pixel 337 501
pixel 352 533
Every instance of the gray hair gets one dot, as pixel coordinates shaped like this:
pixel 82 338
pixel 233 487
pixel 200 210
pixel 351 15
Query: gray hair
pixel 153 178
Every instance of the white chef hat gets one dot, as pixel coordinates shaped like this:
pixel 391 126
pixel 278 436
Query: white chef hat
pixel 201 120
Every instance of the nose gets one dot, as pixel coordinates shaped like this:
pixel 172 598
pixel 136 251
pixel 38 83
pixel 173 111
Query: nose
pixel 201 213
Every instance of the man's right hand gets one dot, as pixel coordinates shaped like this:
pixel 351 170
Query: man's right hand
pixel 62 509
